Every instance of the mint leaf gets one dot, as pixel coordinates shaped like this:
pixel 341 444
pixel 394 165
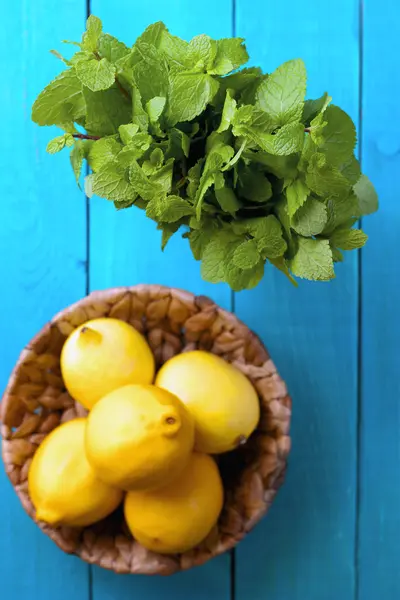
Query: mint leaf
pixel 336 136
pixel 246 255
pixel 288 140
pixel 155 107
pixel 214 256
pixel 61 101
pixel 127 132
pixel 230 55
pixel 366 195
pixel 169 209
pixel 281 96
pixel 242 279
pixel 313 260
pixel 325 180
pixel 102 152
pixel 111 48
pixel 178 144
pixel 139 115
pixel 312 108
pixel 283 167
pixel 254 185
pixel 310 219
pixel 58 143
pixel 96 74
pixel 351 170
pixel 78 153
pixel 282 264
pixel 228 111
pixel 214 163
pixel 268 233
pixel 105 111
pixel 93 31
pixel 296 194
pixel 348 239
pixel 201 52
pixel 111 183
pixel 227 199
pixel 150 72
pixel 189 95
pixel 142 184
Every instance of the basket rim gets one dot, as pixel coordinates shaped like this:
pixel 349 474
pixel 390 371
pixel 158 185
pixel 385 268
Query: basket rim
pixel 200 303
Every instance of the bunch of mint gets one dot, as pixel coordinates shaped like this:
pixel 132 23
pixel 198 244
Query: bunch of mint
pixel 239 159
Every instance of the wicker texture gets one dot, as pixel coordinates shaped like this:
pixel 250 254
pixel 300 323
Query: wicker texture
pixel 173 321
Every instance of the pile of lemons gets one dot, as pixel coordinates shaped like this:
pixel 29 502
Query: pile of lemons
pixel 146 444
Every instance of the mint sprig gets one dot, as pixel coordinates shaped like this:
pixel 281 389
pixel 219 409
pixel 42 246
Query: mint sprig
pixel 251 171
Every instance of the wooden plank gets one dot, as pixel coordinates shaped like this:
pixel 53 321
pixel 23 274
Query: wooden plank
pixel 305 547
pixel 125 249
pixel 42 254
pixel 379 520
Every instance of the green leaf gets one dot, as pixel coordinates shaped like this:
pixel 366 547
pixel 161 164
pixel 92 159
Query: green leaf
pixel 127 132
pixel 169 209
pixel 145 188
pixel 313 107
pixel 310 219
pixel 201 52
pixel 336 136
pixel 96 74
pixel 58 143
pixel 313 260
pixel 178 144
pixel 78 153
pixel 139 115
pixel 228 111
pixel 341 210
pixel 367 196
pixel 155 107
pixel 194 176
pixel 163 176
pixel 106 111
pixel 243 279
pixel 111 48
pixel 111 183
pixel 215 255
pixel 102 152
pixel 61 101
pixel 246 255
pixel 93 31
pixel 283 167
pixel 199 238
pixel 230 55
pixel 220 156
pixel 227 199
pixel 254 185
pixel 348 239
pixel 168 230
pixel 281 96
pixel 268 233
pixel 149 71
pixel 296 194
pixel 189 95
pixel 289 139
pixel 325 180
pixel 337 256
pixel 351 170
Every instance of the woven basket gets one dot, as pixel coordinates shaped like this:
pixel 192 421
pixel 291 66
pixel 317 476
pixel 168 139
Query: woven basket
pixel 173 321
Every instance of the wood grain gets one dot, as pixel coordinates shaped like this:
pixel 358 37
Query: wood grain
pixel 42 254
pixel 305 547
pixel 125 249
pixel 379 518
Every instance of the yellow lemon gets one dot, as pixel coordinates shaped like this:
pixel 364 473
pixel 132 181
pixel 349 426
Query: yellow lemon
pixel 103 355
pixel 63 487
pixel 179 516
pixel 139 436
pixel 222 400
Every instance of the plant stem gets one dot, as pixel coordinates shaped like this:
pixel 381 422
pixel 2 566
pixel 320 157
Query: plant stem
pixel 85 136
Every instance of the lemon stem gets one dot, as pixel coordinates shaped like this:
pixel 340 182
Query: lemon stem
pixel 89 334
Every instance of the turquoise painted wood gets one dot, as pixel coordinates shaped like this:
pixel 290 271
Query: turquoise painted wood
pixel 42 254
pixel 130 253
pixel 333 531
pixel 379 518
pixel 305 548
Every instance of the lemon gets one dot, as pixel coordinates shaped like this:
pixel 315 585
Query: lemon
pixel 222 400
pixel 63 486
pixel 179 516
pixel 139 436
pixel 103 355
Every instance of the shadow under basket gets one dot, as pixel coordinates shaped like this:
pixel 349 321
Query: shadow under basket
pixel 173 321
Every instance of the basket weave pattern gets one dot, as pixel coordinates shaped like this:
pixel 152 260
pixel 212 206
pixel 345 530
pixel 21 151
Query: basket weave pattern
pixel 173 321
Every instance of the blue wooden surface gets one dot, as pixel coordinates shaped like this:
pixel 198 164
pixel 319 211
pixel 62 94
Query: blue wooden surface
pixel 333 532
